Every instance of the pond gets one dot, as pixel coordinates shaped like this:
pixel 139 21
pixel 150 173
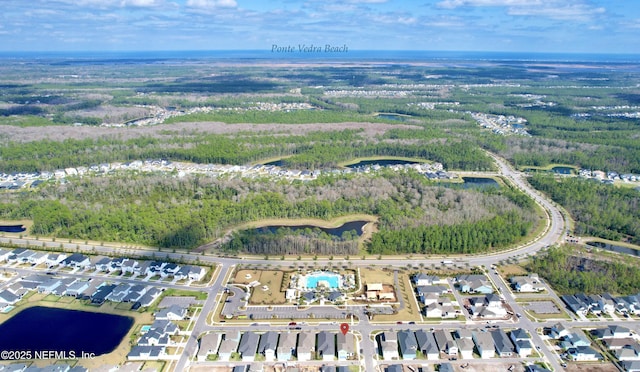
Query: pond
pixel 12 228
pixel 615 248
pixel 39 329
pixel 381 162
pixel 562 170
pixel 479 182
pixel 395 117
pixel 355 226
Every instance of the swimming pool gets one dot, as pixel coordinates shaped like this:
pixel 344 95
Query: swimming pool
pixel 145 328
pixel 326 279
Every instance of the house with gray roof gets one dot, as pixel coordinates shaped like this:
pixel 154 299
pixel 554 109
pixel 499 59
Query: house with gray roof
pixel 135 293
pixel 427 344
pixel 346 346
pixel 465 347
pixel 173 312
pixel 103 264
pixel 8 298
pixel 504 346
pixel 119 292
pixel 407 344
pixel 484 344
pixel 139 352
pixel 286 346
pixel 475 283
pixel 306 346
pixel 268 345
pixel 76 260
pixel 4 254
pixel 49 285
pixel 149 297
pixel 326 346
pixel 209 344
pixel 228 345
pixel 248 346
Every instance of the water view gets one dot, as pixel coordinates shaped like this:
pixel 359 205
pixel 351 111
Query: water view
pixel 12 228
pixel 479 182
pixel 615 248
pixel 51 329
pixel 381 162
pixel 355 226
pixel 562 170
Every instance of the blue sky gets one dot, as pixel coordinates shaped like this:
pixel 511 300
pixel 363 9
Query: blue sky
pixel 576 26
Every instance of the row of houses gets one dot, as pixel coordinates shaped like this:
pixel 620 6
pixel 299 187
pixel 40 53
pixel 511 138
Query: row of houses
pixel 622 343
pixel 441 343
pixel 280 346
pixel 153 343
pixel 582 304
pixel 96 290
pixel 105 264
pixel 575 345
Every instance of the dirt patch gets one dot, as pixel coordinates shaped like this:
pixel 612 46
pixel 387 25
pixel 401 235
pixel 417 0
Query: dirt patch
pixel 60 133
pixel 268 292
pixel 591 367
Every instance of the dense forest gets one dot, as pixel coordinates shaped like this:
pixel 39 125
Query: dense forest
pixel 599 210
pixel 315 150
pixel 569 274
pixel 287 242
pixel 185 212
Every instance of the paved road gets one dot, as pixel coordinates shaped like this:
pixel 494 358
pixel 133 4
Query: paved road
pixel 553 233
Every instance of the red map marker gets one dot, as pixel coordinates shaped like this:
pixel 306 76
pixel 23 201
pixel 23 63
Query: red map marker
pixel 344 328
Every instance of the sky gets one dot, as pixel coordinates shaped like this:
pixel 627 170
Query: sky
pixel 551 26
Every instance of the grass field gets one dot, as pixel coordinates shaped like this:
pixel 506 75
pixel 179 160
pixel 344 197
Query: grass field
pixel 272 279
pixel 507 271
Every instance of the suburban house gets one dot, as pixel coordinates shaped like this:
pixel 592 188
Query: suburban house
pixel 119 292
pixel 575 304
pixel 407 344
pixel 129 266
pixel 248 346
pixel 628 353
pixel 427 344
pixel 267 346
pixel 76 288
pixel 631 366
pixel 209 344
pixel 445 342
pixel 139 352
pixel 389 346
pixel 574 339
pixel 76 260
pixel 583 353
pixel 484 344
pixel 8 298
pixel 504 346
pixel 421 279
pixel 326 346
pixel 103 264
pixel 173 312
pixel 558 331
pixel 135 293
pixel 306 346
pixel 346 346
pixel 488 307
pixel 54 259
pixel 474 283
pixel 286 346
pixel 465 347
pixel 228 345
pixel 4 254
pixel 529 283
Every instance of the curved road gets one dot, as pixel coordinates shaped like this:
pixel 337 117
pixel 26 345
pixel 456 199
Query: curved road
pixel 554 231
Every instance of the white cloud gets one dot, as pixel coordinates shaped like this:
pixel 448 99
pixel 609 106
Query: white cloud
pixel 210 4
pixel 565 10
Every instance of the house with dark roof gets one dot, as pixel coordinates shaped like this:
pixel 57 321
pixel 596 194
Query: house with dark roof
pixel 583 353
pixel 119 292
pixel 8 298
pixel 268 345
pixel 149 297
pixel 100 295
pixel 335 296
pixel 427 344
pixel 76 260
pixel 326 346
pixel 421 279
pixel 504 346
pixel 407 344
pixel 248 346
pixel 135 293
pixel 103 264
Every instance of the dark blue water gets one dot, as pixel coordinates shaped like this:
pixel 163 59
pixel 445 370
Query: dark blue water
pixel 393 117
pixel 382 55
pixel 382 163
pixel 355 226
pixel 562 170
pixel 277 163
pixel 12 228
pixel 479 182
pixel 615 248
pixel 50 329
